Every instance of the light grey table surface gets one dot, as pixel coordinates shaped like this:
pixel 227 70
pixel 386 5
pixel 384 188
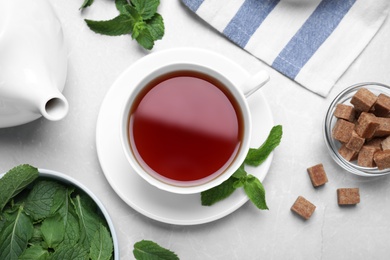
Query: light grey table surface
pixel 68 146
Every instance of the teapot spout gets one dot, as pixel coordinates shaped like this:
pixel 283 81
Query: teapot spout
pixel 54 107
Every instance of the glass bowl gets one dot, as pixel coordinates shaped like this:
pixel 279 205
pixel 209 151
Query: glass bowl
pixel 330 120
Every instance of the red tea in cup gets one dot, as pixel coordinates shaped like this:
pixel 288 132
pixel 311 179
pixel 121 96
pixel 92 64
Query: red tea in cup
pixel 185 126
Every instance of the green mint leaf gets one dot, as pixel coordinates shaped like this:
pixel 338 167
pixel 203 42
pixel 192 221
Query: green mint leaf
pixel 218 193
pixel 239 183
pixel 39 201
pixel 131 11
pixel 59 198
pixel 138 28
pixel 53 230
pixel 145 39
pixel 155 26
pixel 34 252
pixel 146 8
pixel 101 245
pixel 149 250
pixel 255 191
pixel 125 8
pixel 88 220
pixel 14 181
pixel 121 6
pixel 72 228
pixel 69 217
pixel 37 237
pixel 15 235
pixel 240 172
pixel 2 222
pixel 76 252
pixel 257 156
pixel 86 4
pixel 122 24
pixel 225 189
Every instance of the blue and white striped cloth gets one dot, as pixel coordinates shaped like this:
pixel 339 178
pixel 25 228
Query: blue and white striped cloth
pixel 312 42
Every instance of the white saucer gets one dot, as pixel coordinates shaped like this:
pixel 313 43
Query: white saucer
pixel 137 193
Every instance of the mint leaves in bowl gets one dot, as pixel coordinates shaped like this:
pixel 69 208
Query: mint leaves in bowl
pixel 47 215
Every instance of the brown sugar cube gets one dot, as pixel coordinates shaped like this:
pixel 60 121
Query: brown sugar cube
pixel 382 105
pixel 342 130
pixel 347 154
pixel 356 142
pixel 303 207
pixel 345 112
pixel 348 196
pixel 367 125
pixel 366 156
pixel 385 143
pixel 374 142
pixel 363 100
pixel 317 175
pixel 384 126
pixel 382 159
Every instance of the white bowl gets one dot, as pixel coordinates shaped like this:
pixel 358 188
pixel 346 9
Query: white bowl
pixel 70 181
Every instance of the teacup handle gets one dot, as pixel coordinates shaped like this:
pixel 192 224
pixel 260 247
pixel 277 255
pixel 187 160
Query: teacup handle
pixel 254 83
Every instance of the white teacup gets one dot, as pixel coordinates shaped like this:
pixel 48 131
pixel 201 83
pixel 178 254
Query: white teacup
pixel 171 139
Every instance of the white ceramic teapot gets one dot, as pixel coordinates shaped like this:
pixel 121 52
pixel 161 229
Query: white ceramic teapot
pixel 33 62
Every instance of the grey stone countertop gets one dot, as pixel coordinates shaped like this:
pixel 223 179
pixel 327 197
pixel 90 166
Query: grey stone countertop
pixel 332 232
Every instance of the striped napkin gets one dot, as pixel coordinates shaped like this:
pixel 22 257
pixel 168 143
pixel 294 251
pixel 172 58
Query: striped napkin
pixel 312 42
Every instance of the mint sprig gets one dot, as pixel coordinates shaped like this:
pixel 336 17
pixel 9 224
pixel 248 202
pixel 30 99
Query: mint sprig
pixel 252 186
pixel 257 156
pixel 137 17
pixel 147 250
pixel 219 192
